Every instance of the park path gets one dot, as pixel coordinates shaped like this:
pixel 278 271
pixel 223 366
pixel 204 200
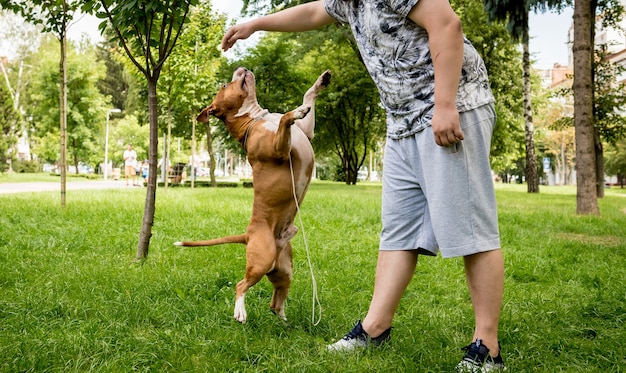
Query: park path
pixel 29 187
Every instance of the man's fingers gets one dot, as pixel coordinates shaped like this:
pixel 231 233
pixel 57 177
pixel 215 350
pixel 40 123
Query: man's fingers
pixel 458 135
pixel 449 138
pixel 226 40
pixel 237 32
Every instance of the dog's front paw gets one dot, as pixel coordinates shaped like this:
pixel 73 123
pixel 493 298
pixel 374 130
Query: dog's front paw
pixel 240 310
pixel 301 112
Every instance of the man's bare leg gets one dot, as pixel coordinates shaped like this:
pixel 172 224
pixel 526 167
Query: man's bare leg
pixel 485 279
pixel 394 271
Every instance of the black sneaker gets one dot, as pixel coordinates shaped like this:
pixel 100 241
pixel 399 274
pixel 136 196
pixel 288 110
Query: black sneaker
pixel 478 360
pixel 358 339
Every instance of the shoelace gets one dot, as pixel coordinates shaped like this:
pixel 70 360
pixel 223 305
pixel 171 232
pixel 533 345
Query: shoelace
pixel 354 334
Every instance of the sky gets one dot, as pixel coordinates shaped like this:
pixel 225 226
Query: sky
pixel 548 32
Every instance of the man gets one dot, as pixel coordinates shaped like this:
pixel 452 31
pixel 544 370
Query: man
pixel 437 189
pixel 130 161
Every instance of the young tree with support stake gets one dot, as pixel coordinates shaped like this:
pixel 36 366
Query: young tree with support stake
pixel 55 16
pixel 147 31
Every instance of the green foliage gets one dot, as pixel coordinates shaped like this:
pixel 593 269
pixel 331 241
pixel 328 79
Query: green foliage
pixel 609 98
pixel 608 101
pixel 504 64
pixel 259 7
pixel 349 119
pixel 116 82
pixel 515 12
pixel 329 48
pixel 189 78
pixel 146 30
pixel 9 125
pixel 126 131
pixel 615 160
pixel 73 301
pixel 25 167
pixel 86 107
pixel 53 15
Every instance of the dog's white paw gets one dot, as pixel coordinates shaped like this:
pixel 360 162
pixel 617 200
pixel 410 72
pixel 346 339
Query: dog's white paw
pixel 301 111
pixel 240 310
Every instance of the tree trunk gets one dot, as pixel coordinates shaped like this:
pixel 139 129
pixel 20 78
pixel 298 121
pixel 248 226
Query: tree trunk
pixel 193 150
pixel 599 165
pixel 586 196
pixel 149 207
pixel 209 148
pixel 168 144
pixel 532 177
pixel 75 160
pixel 63 104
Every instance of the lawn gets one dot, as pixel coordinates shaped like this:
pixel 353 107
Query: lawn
pixel 73 300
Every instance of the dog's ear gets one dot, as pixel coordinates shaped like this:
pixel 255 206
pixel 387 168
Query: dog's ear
pixel 203 117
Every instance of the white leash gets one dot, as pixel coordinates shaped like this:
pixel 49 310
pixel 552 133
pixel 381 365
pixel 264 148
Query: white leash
pixel 314 299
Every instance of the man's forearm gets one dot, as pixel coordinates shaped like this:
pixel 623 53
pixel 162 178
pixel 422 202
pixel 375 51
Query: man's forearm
pixel 305 17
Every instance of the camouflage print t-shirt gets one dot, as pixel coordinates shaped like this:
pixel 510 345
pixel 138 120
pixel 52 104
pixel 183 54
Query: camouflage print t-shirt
pixel 396 53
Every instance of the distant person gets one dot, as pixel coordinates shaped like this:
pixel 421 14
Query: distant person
pixel 145 167
pixel 130 161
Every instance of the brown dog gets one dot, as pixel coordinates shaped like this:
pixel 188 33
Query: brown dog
pixel 282 159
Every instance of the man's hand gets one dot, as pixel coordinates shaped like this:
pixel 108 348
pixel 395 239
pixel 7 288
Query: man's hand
pixel 446 126
pixel 237 32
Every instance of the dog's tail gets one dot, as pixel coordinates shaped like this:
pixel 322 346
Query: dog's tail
pixel 217 241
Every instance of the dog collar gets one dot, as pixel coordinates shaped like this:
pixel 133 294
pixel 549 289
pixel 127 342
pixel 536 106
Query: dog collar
pixel 245 136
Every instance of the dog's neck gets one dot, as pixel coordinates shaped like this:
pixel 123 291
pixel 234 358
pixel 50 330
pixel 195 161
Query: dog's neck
pixel 253 109
pixel 240 125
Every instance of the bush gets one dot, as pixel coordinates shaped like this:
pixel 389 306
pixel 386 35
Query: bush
pixel 26 167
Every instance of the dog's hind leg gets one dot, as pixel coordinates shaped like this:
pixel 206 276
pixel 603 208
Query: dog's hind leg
pixel 280 278
pixel 260 254
pixel 307 124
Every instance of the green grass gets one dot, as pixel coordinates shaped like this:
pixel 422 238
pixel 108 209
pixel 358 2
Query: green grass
pixel 72 300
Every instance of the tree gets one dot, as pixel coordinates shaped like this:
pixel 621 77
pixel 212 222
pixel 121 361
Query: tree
pixel 25 38
pixel 9 120
pixel 610 13
pixel 190 78
pixel 125 131
pixel 147 31
pixel 586 196
pixel 501 56
pixel 516 13
pixel 350 119
pixel 85 105
pixel 22 37
pixel 615 163
pixel 55 17
pixel 556 135
pixel 609 101
pixel 587 139
pixel 115 83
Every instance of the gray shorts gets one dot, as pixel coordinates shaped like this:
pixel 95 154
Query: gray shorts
pixel 441 198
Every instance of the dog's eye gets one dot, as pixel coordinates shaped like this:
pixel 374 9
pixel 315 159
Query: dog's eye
pixel 225 85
